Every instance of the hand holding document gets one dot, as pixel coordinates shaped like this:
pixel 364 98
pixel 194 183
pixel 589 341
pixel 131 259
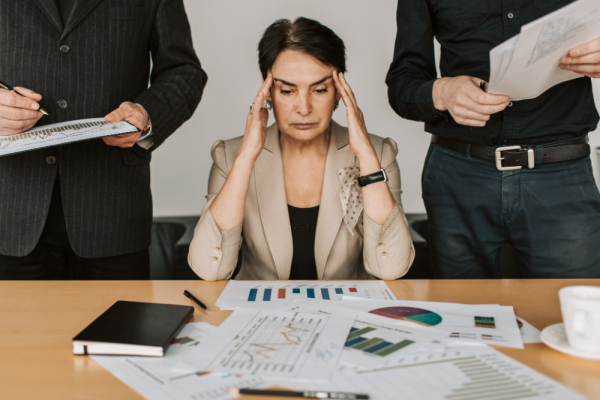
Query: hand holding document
pixel 527 65
pixel 63 133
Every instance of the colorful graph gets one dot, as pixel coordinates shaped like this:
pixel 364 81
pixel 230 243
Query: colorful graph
pixel 262 351
pixel 412 314
pixel 272 343
pixel 485 322
pixel 374 345
pixel 310 293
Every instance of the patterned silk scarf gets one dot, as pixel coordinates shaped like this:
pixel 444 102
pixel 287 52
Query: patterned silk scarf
pixel 351 196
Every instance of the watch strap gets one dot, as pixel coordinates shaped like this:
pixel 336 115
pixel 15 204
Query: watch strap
pixel 379 176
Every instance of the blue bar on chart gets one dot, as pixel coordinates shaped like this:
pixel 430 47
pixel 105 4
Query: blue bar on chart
pixel 252 296
pixel 310 293
pixel 339 291
pixel 325 293
pixel 267 295
pixel 295 290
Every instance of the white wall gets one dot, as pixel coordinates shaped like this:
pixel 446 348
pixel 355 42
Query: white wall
pixel 226 35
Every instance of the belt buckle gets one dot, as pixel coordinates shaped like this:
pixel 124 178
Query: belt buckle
pixel 499 158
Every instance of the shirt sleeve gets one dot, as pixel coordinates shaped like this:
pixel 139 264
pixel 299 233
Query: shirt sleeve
pixel 412 72
pixel 177 80
pixel 147 140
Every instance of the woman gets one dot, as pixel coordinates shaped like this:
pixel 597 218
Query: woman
pixel 287 195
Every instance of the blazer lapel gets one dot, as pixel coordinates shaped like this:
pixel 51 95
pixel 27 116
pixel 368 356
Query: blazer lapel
pixel 339 156
pixel 81 10
pixel 48 7
pixel 272 203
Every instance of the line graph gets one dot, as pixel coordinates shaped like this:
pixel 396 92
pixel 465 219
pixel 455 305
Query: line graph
pixel 272 343
pixel 292 336
pixel 62 133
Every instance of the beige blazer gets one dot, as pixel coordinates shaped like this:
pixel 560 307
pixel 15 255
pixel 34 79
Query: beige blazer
pixel 265 236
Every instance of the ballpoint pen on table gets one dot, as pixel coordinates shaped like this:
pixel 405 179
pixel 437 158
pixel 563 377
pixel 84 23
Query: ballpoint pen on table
pixel 305 394
pixel 194 299
pixel 9 88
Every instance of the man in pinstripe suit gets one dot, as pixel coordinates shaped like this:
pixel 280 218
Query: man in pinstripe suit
pixel 84 210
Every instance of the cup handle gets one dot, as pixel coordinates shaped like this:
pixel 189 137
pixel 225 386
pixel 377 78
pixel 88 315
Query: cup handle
pixel 579 321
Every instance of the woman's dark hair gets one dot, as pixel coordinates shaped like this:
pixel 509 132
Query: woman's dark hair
pixel 305 35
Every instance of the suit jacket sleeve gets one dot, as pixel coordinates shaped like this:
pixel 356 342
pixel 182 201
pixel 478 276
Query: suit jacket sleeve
pixel 388 251
pixel 213 253
pixel 412 72
pixel 177 80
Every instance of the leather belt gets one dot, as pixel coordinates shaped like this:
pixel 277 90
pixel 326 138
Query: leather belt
pixel 509 158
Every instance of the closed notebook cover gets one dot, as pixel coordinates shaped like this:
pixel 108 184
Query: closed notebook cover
pixel 135 323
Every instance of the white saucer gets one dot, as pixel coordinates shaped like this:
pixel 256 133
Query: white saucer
pixel 556 337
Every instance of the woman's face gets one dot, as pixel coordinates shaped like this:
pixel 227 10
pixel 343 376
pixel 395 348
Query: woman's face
pixel 303 95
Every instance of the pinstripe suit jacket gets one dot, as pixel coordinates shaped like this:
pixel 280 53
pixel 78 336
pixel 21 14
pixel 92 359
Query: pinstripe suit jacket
pixel 105 190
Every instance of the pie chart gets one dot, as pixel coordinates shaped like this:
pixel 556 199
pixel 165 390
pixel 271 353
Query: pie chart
pixel 412 314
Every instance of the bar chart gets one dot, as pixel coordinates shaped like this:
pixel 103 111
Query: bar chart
pixel 309 293
pixel 359 339
pixel 274 294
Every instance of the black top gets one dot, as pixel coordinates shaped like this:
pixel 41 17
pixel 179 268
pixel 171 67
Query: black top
pixel 64 8
pixel 304 227
pixel 467 30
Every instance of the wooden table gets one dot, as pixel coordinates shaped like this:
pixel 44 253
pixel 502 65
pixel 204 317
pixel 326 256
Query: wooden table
pixel 39 319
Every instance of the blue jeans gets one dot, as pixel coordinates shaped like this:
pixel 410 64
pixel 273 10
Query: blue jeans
pixel 550 215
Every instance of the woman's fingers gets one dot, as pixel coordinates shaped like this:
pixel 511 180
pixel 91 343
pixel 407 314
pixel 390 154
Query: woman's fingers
pixel 258 102
pixel 345 96
pixel 348 89
pixel 267 85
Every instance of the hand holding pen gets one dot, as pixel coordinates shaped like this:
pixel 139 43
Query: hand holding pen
pixel 19 109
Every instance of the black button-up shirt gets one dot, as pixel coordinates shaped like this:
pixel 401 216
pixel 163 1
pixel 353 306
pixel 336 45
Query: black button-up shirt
pixel 467 30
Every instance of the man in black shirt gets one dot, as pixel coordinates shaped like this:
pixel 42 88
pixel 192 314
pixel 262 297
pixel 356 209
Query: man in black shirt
pixel 542 198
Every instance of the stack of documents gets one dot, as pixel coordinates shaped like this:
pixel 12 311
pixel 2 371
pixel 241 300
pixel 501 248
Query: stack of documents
pixel 362 340
pixel 527 65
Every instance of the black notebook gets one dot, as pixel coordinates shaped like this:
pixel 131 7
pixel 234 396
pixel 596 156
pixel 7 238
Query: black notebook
pixel 132 328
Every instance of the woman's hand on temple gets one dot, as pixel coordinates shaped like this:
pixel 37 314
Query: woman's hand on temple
pixel 360 143
pixel 256 123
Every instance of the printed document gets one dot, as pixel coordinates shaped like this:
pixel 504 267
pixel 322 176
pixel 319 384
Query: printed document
pixel 283 344
pixel 63 133
pixel 467 323
pixel 527 65
pixel 155 379
pixel 274 294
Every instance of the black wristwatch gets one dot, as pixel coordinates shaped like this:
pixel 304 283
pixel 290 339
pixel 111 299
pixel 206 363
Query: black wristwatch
pixel 372 178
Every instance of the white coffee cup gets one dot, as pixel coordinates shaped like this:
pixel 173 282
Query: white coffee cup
pixel 581 315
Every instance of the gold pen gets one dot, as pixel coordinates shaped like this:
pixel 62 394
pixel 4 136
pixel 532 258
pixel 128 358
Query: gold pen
pixel 7 87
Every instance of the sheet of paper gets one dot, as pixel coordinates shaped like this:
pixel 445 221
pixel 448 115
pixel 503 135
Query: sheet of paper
pixel 58 134
pixel 283 344
pixel 500 58
pixel 467 373
pixel 372 341
pixel 155 379
pixel 274 294
pixel 529 333
pixel 478 324
pixel 533 68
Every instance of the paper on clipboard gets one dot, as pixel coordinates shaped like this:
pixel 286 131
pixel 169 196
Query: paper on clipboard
pixel 62 133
